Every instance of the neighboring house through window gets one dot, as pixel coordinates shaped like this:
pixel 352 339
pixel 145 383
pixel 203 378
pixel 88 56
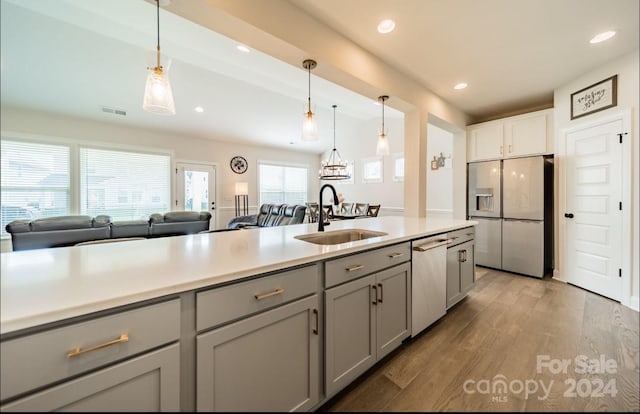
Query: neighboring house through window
pixel 35 181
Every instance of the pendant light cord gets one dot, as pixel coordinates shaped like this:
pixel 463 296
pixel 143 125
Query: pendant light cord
pixel 158 26
pixel 309 72
pixel 334 127
pixel 383 115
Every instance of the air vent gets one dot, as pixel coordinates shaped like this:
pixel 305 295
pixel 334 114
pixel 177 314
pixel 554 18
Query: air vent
pixel 113 111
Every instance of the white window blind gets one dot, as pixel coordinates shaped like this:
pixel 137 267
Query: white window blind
pixel 35 181
pixel 282 184
pixel 124 185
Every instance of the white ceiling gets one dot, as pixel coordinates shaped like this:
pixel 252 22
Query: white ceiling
pixel 512 53
pixel 75 56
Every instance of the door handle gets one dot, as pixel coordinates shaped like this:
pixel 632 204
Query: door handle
pixel 568 215
pixel 317 317
pixel 375 294
pixel 381 293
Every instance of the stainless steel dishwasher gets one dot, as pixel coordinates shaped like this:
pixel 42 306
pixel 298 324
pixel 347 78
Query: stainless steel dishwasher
pixel 428 281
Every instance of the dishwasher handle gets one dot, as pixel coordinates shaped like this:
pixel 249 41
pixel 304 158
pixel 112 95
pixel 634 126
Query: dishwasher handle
pixel 432 245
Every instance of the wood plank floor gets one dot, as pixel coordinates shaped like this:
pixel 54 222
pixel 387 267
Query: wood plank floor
pixel 496 336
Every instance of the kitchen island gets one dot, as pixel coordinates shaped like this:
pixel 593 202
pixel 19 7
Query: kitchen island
pixel 184 295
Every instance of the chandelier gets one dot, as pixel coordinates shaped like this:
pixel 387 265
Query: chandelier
pixel 334 168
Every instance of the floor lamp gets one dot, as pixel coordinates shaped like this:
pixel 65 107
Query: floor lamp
pixel 242 199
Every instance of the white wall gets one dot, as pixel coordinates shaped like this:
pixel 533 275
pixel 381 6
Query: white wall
pixel 627 70
pixel 440 181
pixel 198 150
pixel 356 141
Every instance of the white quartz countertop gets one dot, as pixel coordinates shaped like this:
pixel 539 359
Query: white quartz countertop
pixel 49 285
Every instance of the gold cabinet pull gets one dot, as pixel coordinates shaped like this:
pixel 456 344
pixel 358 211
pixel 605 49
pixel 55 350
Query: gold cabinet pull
pixel 354 268
pixel 510 148
pixel 394 255
pixel 501 150
pixel 269 294
pixel 79 351
pixel 315 329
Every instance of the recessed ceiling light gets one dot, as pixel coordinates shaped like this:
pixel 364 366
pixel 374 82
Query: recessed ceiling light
pixel 601 37
pixel 199 109
pixel 243 48
pixel 460 85
pixel 386 26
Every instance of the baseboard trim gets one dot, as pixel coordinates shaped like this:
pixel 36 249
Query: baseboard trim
pixel 557 276
pixel 634 303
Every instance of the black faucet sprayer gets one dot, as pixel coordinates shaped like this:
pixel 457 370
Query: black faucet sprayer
pixel 320 210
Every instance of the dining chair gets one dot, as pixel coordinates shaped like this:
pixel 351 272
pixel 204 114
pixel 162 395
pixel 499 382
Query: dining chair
pixel 327 212
pixel 373 210
pixel 346 208
pixel 361 209
pixel 313 212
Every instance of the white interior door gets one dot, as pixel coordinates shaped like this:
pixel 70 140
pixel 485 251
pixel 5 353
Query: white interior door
pixel 196 189
pixel 593 215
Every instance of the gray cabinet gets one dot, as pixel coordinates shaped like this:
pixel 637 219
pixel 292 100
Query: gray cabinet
pixel 127 361
pixel 148 383
pixel 460 271
pixel 267 362
pixel 259 342
pixel 365 320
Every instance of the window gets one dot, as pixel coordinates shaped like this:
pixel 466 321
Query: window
pixel 124 185
pixel 35 181
pixel 372 170
pixel 398 167
pixel 41 180
pixel 282 184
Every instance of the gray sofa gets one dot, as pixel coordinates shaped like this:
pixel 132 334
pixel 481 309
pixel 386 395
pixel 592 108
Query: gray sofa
pixel 270 215
pixel 69 230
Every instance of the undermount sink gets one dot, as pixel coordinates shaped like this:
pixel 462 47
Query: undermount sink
pixel 339 236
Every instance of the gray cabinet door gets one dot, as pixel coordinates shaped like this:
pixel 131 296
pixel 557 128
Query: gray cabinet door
pixel 150 382
pixel 393 308
pixel 467 267
pixel 350 334
pixel 454 288
pixel 268 362
pixel 461 270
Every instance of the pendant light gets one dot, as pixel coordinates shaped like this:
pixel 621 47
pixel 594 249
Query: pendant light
pixel 383 141
pixel 333 168
pixel 309 123
pixel 158 97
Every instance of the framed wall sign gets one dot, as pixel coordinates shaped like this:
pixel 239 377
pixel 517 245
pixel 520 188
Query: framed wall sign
pixel 594 98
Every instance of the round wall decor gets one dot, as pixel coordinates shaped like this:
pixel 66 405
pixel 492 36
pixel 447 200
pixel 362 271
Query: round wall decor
pixel 239 164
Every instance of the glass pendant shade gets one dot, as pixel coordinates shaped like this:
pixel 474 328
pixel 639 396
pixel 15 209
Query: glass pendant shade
pixel 383 144
pixel 158 97
pixel 334 168
pixel 309 123
pixel 309 127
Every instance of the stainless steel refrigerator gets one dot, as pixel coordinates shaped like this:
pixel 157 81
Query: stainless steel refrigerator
pixel 512 201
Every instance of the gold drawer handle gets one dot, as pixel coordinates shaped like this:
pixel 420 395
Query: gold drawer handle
pixel 269 294
pixel 394 255
pixel 354 268
pixel 79 351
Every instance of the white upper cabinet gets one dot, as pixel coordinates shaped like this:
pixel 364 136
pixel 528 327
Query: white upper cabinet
pixel 486 141
pixel 516 136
